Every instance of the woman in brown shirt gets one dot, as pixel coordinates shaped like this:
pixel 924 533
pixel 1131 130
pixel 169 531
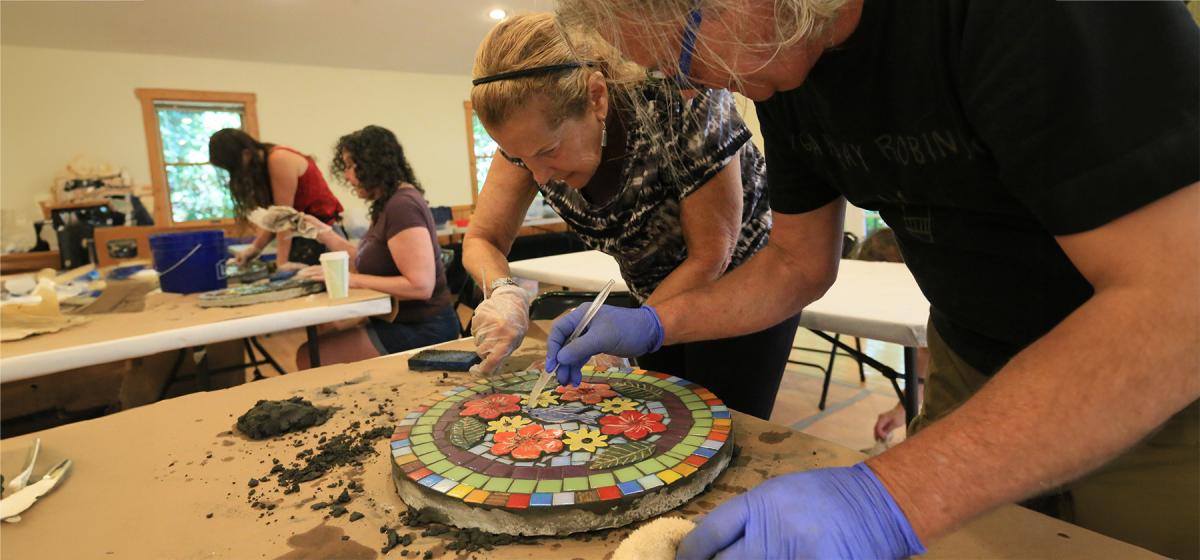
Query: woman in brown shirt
pixel 398 255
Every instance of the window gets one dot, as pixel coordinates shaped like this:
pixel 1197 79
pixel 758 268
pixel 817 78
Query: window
pixel 178 124
pixel 872 222
pixel 481 148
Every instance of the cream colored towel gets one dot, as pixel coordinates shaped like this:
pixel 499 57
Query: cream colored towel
pixel 656 540
pixel 22 320
pixel 283 218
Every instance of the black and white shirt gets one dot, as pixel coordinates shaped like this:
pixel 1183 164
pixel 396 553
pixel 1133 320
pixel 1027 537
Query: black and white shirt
pixel 640 226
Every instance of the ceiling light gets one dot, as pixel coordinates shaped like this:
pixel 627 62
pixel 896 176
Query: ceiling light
pixel 497 14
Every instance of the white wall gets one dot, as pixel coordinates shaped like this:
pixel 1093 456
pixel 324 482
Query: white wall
pixel 56 104
pixel 854 215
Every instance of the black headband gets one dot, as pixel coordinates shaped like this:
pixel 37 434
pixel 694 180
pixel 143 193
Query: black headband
pixel 525 72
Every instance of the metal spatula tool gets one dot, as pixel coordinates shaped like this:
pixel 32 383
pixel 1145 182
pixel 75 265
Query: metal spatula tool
pixel 545 376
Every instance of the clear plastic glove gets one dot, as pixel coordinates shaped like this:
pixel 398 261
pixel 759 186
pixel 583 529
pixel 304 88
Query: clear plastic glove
pixel 614 330
pixel 244 256
pixel 603 362
pixel 288 266
pixel 889 420
pixel 312 227
pixel 311 272
pixel 825 513
pixel 499 326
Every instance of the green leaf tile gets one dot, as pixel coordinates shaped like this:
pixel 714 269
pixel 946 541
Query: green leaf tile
pixel 441 467
pixel 693 440
pixel 702 422
pixel 457 473
pixel 705 413
pixel 421 430
pixel 421 438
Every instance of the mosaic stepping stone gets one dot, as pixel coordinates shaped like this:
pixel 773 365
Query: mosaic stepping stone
pixel 625 445
pixel 263 292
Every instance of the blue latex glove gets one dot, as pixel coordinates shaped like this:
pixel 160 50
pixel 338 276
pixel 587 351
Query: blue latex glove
pixel 826 513
pixel 614 330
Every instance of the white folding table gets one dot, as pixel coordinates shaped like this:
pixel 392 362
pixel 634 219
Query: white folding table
pixel 176 323
pixel 875 300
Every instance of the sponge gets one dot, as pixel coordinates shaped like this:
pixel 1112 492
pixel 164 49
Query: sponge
pixel 656 540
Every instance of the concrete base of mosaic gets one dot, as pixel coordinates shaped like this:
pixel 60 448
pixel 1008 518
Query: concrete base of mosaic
pixel 562 520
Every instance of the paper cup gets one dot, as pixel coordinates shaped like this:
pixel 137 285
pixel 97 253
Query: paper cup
pixel 336 266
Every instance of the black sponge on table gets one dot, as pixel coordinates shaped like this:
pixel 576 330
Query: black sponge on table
pixel 443 360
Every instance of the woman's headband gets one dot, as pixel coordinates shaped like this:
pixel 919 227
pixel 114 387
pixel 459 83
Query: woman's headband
pixel 526 72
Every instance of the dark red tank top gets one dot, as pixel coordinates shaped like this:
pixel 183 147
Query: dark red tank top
pixel 312 192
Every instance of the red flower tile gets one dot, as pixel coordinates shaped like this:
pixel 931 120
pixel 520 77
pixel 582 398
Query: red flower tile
pixel 695 460
pixel 491 406
pixel 632 424
pixel 589 393
pixel 528 443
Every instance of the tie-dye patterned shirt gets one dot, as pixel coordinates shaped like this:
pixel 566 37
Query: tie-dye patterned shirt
pixel 640 226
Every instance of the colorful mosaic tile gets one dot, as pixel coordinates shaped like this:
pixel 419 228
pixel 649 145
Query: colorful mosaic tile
pixel 623 432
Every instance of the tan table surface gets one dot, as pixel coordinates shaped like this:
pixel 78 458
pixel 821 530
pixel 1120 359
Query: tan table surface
pixel 143 481
pixel 170 322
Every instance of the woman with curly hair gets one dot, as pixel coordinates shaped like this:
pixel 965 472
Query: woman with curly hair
pixel 397 256
pixel 262 175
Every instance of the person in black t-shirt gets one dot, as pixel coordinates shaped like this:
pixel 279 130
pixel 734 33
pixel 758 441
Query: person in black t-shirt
pixel 1039 164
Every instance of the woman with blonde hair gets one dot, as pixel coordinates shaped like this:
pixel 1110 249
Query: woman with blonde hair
pixel 562 111
pixel 1034 160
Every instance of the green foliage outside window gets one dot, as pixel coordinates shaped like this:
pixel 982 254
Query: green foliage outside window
pixel 197 189
pixel 485 148
pixel 873 222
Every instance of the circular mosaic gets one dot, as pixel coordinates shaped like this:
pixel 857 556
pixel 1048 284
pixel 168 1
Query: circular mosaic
pixel 625 445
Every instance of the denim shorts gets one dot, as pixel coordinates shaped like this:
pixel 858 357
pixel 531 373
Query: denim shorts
pixel 390 338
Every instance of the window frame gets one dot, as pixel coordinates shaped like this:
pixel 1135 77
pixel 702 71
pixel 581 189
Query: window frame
pixel 158 170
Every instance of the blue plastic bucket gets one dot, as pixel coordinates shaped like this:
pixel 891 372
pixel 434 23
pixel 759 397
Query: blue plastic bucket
pixel 189 262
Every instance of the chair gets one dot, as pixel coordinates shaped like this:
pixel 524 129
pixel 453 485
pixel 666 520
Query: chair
pixel 552 304
pixel 849 245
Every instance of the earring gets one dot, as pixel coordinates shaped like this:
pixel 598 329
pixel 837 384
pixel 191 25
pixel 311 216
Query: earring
pixel 603 134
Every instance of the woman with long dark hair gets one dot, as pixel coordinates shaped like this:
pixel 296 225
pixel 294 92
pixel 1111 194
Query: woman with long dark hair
pixel 262 175
pixel 397 256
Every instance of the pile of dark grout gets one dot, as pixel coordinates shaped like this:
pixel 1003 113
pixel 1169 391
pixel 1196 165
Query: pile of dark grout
pixel 350 448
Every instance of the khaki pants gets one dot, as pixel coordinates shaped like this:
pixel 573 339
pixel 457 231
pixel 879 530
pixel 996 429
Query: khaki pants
pixel 1149 496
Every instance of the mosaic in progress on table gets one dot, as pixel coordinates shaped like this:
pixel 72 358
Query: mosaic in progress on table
pixel 621 433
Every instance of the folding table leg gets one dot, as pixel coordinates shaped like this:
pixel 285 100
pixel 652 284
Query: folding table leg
pixel 253 360
pixel 910 384
pixel 267 355
pixel 314 349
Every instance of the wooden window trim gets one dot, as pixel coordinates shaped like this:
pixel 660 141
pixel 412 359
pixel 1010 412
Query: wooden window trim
pixel 469 112
pixel 158 171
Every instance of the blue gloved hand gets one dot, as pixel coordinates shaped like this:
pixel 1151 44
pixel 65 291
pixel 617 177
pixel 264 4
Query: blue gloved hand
pixel 826 513
pixel 614 330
